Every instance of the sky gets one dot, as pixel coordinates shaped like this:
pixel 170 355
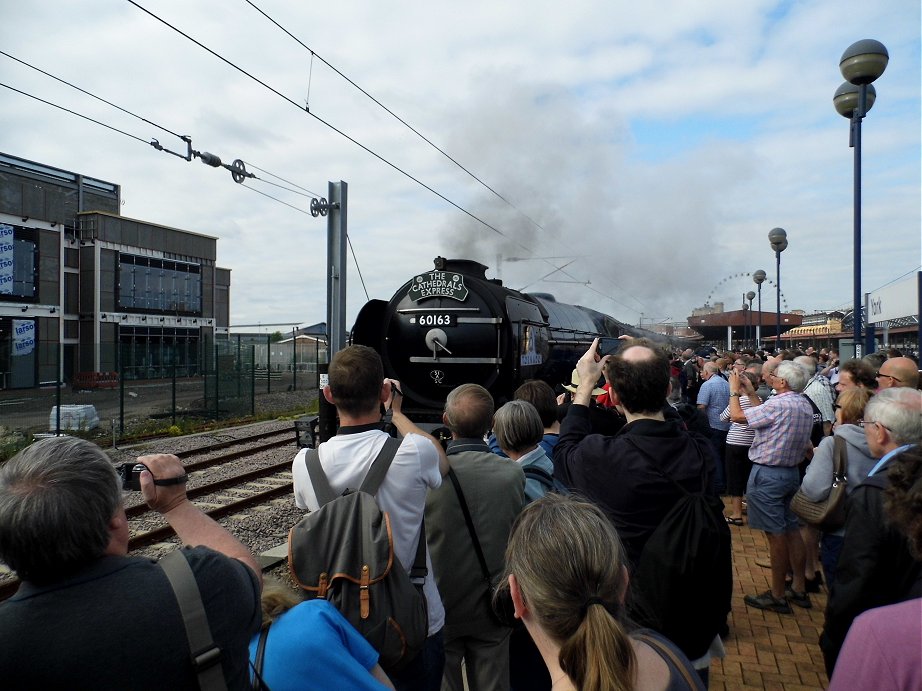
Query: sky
pixel 649 147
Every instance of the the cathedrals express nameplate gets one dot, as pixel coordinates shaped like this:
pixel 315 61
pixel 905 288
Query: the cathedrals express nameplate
pixel 441 284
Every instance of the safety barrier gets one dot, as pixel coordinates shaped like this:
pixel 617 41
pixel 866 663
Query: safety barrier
pixel 96 380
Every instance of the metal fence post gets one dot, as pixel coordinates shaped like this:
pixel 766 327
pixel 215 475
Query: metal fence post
pixel 174 390
pixel 253 380
pixel 57 394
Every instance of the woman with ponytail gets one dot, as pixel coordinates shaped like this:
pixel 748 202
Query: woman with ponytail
pixel 567 581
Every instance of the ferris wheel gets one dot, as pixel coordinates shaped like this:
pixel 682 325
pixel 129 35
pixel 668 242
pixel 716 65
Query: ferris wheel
pixel 744 281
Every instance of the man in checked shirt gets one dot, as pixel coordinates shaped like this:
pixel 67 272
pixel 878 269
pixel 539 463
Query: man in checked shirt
pixel 782 428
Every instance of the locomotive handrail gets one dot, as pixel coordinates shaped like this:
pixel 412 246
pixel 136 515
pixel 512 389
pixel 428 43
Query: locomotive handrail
pixel 480 320
pixel 460 360
pixel 410 310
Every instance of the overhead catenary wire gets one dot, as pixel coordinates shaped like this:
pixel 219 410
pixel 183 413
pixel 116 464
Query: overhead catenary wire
pixel 74 112
pixel 327 124
pixel 428 141
pixel 389 112
pixel 306 192
pixel 278 177
pixel 321 120
pixel 91 95
pixel 352 139
pixel 308 213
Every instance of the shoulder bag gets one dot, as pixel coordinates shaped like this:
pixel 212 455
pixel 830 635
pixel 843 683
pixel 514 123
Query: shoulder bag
pixel 829 514
pixel 488 582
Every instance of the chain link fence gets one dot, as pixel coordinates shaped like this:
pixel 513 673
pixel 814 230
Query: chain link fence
pixel 228 378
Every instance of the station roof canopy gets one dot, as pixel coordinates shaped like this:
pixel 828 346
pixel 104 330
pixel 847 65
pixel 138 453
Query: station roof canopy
pixel 713 327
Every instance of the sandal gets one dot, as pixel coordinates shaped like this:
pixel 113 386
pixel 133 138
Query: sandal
pixel 734 521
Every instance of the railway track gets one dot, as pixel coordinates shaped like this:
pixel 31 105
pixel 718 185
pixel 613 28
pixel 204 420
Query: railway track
pixel 218 496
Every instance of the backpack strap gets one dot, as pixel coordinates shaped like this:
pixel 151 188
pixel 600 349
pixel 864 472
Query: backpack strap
pixel 319 482
pixel 542 476
pixel 840 454
pixel 256 681
pixel 373 479
pixel 380 466
pixel 206 655
pixel 667 654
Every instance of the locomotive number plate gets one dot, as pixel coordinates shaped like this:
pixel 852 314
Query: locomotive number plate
pixel 437 319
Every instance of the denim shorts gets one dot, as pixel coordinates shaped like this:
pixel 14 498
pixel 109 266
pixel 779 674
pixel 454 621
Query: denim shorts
pixel 768 494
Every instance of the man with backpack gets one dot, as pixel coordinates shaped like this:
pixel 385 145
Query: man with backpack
pixel 637 477
pixel 468 521
pixel 357 388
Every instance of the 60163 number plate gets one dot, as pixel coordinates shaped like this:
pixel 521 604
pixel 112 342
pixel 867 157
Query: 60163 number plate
pixel 436 319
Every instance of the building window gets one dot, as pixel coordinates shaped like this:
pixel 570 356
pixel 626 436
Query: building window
pixel 159 285
pixel 18 265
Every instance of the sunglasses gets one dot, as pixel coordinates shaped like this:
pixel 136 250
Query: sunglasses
pixel 888 376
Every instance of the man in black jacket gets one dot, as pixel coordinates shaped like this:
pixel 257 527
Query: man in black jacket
pixel 621 473
pixel 875 566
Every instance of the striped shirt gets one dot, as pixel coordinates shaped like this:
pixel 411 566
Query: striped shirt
pixel 782 427
pixel 820 391
pixel 740 433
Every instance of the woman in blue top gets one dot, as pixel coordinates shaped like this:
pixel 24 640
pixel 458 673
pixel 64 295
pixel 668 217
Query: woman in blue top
pixel 310 645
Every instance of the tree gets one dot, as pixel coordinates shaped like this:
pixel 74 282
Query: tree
pixel 275 337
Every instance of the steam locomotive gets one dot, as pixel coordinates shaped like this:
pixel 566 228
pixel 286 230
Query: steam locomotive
pixel 453 325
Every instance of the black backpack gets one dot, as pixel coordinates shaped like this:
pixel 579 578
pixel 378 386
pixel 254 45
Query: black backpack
pixel 344 552
pixel 684 577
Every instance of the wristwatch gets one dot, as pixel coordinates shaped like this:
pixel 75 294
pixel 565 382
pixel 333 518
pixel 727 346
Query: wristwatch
pixel 736 394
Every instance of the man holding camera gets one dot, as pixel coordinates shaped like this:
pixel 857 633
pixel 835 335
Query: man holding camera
pixel 358 389
pixel 630 475
pixel 87 616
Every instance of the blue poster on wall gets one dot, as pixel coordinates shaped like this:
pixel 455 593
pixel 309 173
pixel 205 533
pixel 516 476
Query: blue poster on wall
pixel 6 259
pixel 23 336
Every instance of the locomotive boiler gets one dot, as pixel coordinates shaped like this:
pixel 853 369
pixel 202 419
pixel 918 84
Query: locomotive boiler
pixel 453 325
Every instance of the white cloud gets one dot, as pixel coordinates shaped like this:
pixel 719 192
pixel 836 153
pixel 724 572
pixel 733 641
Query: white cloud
pixel 663 140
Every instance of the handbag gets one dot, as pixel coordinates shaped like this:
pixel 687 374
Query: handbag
pixel 490 587
pixel 829 514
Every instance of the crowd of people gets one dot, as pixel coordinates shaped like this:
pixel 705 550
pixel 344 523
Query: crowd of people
pixel 561 493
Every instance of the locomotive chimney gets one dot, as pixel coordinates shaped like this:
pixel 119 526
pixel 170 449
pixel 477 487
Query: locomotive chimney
pixel 468 267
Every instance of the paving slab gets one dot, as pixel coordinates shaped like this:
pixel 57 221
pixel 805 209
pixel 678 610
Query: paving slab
pixel 767 650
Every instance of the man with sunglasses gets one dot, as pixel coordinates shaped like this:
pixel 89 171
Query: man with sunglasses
pixel 875 567
pixel 896 372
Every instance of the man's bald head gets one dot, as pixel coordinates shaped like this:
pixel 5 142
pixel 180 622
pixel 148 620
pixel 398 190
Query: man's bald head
pixel 639 375
pixel 898 371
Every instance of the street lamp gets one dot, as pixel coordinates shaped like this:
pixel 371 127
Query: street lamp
pixel 759 278
pixel 861 63
pixel 750 296
pixel 745 322
pixel 778 238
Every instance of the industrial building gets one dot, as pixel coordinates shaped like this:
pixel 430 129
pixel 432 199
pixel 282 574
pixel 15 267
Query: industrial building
pixel 85 291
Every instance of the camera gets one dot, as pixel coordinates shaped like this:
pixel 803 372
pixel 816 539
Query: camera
pixel 130 474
